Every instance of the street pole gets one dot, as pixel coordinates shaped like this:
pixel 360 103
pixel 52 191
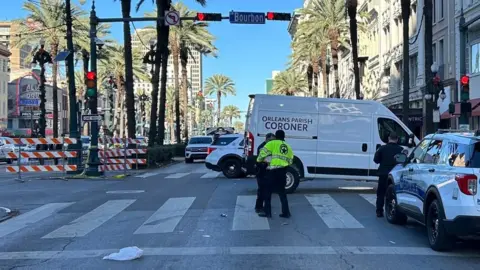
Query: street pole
pixel 43 100
pixel 406 58
pixel 463 120
pixel 74 131
pixel 93 160
pixel 428 108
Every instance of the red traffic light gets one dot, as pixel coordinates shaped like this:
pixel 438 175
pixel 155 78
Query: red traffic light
pixel 209 17
pixel 91 75
pixel 278 16
pixel 465 80
pixel 200 16
pixel 270 15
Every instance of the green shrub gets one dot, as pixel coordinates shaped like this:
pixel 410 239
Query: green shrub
pixel 159 154
pixel 178 149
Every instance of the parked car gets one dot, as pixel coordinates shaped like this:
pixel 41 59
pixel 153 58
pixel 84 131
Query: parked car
pixel 197 148
pixel 331 138
pixel 437 185
pixel 226 155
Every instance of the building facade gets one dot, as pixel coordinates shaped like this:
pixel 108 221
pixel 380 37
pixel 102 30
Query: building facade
pixel 269 82
pixel 20 58
pixel 4 80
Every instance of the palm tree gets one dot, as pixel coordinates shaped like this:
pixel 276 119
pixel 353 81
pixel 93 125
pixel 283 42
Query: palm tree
pixel 352 13
pixel 289 83
pixel 330 16
pixel 219 85
pixel 230 112
pixel 170 111
pixel 45 21
pixel 239 126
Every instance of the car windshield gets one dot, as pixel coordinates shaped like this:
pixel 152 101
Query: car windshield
pixel 202 140
pixel 85 140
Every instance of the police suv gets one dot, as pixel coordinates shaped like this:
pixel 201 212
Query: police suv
pixel 437 186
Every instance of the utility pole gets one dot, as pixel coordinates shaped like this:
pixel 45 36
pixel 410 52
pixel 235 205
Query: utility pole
pixel 93 160
pixel 428 106
pixel 74 132
pixel 406 58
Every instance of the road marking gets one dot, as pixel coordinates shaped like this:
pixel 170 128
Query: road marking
pixel 202 170
pixel 177 175
pixel 334 215
pixel 125 191
pixel 371 198
pixel 245 217
pixel 31 217
pixel 147 175
pixel 91 220
pixel 245 250
pixel 167 217
pixel 211 175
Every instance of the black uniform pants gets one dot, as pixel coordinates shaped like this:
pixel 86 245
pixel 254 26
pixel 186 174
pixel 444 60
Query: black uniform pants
pixel 381 190
pixel 260 191
pixel 275 182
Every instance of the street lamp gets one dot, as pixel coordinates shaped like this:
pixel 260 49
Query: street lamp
pixel 41 58
pixel 149 58
pixel 437 91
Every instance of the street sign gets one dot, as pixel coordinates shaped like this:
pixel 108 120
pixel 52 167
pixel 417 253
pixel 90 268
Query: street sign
pixel 29 102
pixel 92 118
pixel 172 18
pixel 247 17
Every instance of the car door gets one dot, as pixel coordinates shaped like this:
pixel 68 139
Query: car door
pixel 406 195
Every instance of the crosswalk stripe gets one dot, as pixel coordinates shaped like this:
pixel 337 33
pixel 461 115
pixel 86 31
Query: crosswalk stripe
pixel 91 220
pixel 245 217
pixel 210 175
pixel 371 198
pixel 146 175
pixel 177 175
pixel 167 217
pixel 334 215
pixel 30 217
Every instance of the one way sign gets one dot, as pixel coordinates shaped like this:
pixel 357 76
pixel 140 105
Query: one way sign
pixel 91 118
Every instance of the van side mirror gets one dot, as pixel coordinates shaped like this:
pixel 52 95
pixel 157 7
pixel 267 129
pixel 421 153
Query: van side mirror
pixel 400 158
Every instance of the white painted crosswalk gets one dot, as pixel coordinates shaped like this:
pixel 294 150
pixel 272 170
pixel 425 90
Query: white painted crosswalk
pixel 328 208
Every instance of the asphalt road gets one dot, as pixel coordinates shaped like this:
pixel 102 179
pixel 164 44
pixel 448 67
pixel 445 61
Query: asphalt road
pixel 186 217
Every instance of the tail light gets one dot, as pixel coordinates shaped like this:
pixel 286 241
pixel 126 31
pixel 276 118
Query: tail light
pixel 467 183
pixel 210 150
pixel 249 146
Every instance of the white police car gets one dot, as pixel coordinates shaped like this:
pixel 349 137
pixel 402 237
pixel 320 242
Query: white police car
pixel 226 155
pixel 437 186
pixel 197 148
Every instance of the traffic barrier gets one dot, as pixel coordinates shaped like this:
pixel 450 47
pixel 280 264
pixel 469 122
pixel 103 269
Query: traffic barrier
pixel 120 159
pixel 26 156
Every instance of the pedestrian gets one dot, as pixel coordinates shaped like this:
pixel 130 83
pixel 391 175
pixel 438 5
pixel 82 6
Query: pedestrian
pixel 282 156
pixel 385 156
pixel 261 173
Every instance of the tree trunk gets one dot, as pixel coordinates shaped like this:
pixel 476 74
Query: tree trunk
pixel 323 57
pixel 161 56
pixel 129 94
pixel 122 117
pixel 315 72
pixel 184 61
pixel 406 56
pixel 118 104
pixel 334 48
pixel 55 90
pixel 310 78
pixel 219 105
pixel 175 56
pixel 352 13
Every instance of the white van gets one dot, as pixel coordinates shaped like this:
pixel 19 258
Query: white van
pixel 331 138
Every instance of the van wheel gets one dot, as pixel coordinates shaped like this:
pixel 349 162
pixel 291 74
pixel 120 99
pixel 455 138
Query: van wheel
pixel 391 208
pixel 293 180
pixel 438 237
pixel 232 168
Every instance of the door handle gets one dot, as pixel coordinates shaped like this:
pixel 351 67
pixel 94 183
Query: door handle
pixel 378 146
pixel 431 170
pixel 364 147
pixel 410 169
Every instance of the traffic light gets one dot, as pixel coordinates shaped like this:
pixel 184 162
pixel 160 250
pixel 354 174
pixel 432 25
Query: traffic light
pixel 451 108
pixel 465 106
pixel 91 84
pixel 277 16
pixel 209 17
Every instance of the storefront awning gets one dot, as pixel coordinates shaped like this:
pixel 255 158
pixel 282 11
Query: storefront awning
pixel 475 109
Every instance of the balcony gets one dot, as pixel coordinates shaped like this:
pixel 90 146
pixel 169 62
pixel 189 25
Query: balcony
pixel 397 9
pixel 386 18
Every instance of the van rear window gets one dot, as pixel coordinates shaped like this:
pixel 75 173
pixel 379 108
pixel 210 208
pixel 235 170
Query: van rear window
pixel 224 140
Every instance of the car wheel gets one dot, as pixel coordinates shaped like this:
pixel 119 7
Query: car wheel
pixel 188 160
pixel 391 208
pixel 232 168
pixel 293 180
pixel 438 237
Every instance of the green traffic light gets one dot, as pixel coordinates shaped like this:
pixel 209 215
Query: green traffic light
pixel 90 92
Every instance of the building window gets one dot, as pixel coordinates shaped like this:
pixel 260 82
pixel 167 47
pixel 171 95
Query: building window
pixel 434 9
pixel 441 9
pixel 413 70
pixel 475 58
pixel 434 52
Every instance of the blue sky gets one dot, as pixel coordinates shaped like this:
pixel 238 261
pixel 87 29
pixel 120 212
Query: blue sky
pixel 247 53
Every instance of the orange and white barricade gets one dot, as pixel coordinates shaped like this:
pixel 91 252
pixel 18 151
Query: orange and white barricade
pixel 120 159
pixel 40 155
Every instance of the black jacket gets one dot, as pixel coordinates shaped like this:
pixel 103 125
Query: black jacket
pixel 385 156
pixel 262 166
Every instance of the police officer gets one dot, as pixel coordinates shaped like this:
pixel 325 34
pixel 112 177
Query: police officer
pixel 282 156
pixel 262 168
pixel 385 156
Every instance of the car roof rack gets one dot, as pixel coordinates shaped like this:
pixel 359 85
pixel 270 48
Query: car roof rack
pixel 474 132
